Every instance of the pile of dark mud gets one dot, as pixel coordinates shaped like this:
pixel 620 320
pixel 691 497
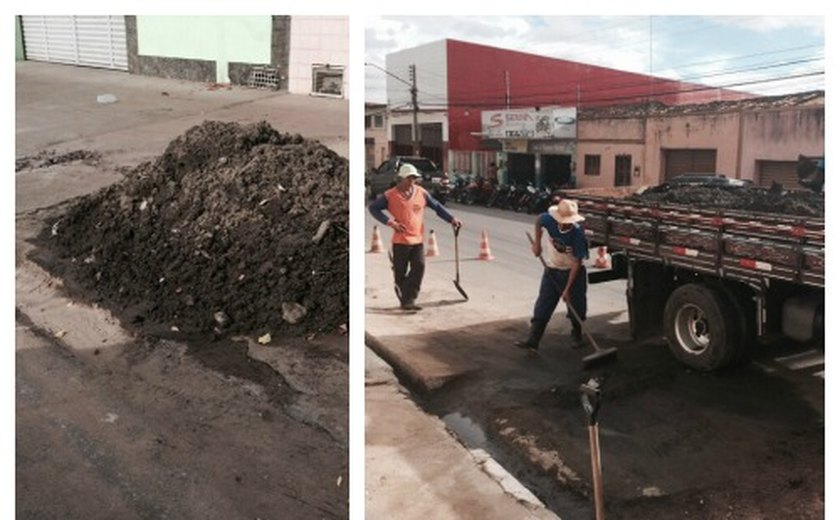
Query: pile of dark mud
pixel 234 228
pixel 794 203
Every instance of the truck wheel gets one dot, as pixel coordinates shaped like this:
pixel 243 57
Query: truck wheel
pixel 744 318
pixel 701 329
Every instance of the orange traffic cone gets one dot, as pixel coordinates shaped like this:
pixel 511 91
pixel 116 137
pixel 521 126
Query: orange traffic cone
pixel 433 248
pixel 603 259
pixel 484 251
pixel 376 242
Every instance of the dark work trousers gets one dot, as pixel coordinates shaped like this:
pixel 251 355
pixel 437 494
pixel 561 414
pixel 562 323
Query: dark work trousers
pixel 551 291
pixel 409 266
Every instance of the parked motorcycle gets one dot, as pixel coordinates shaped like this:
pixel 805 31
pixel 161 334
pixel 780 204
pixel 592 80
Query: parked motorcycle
pixel 479 191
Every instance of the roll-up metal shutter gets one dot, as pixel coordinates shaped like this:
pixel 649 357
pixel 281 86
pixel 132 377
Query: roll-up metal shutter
pixel 93 41
pixel 783 172
pixel 678 162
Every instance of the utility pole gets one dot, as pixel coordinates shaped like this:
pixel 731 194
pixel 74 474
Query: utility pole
pixel 415 129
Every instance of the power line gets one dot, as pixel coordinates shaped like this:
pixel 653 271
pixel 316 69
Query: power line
pixel 638 81
pixel 539 90
pixel 639 96
pixel 605 73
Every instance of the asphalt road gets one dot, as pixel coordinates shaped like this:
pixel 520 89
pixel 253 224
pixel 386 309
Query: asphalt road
pixel 513 266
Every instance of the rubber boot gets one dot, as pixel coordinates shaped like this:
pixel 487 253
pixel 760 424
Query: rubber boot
pixel 534 336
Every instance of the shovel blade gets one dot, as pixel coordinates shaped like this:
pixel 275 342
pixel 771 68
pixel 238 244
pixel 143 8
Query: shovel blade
pixel 461 290
pixel 600 357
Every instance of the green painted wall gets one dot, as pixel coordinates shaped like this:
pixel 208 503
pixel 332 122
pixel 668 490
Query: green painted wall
pixel 214 38
pixel 18 40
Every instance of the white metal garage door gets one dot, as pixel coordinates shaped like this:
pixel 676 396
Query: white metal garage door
pixel 94 41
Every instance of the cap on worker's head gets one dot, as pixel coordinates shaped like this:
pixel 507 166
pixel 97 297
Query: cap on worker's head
pixel 565 212
pixel 408 170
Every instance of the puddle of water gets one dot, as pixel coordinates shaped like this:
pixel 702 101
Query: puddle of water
pixel 466 429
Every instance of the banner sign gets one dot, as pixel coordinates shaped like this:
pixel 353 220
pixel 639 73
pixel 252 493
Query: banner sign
pixel 547 123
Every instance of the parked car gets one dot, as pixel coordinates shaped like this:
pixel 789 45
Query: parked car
pixel 434 179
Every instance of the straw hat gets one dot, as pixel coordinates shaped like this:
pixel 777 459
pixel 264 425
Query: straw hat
pixel 565 212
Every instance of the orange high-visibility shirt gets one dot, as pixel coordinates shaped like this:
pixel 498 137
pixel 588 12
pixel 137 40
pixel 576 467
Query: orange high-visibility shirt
pixel 409 212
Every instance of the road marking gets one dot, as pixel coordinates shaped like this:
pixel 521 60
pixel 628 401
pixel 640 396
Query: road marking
pixel 821 374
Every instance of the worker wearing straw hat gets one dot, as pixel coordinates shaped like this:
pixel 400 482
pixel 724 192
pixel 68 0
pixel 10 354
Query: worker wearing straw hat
pixel 564 270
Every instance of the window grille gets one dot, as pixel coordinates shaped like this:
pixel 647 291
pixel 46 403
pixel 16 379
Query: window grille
pixel 327 80
pixel 264 77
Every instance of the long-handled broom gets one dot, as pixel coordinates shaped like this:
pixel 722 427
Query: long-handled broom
pixel 601 355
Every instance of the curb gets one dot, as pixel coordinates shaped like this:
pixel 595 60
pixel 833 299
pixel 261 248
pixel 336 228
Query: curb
pixel 404 370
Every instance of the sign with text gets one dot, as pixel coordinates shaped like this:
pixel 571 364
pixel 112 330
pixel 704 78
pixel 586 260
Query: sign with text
pixel 547 123
pixel 515 145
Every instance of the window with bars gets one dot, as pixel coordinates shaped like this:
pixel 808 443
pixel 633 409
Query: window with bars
pixel 592 165
pixel 327 80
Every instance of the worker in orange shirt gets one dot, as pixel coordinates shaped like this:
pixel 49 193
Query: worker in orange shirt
pixel 406 203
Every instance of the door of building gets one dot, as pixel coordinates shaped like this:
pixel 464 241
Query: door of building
pixel 678 162
pixel 521 168
pixel 557 170
pixel 93 41
pixel 431 142
pixel 783 172
pixel 402 143
pixel 623 167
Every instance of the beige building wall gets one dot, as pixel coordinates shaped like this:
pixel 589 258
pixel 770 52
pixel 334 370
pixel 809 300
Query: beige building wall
pixel 781 135
pixel 740 139
pixel 610 138
pixel 711 131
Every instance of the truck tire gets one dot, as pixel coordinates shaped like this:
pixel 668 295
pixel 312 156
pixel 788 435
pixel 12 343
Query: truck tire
pixel 744 319
pixel 701 328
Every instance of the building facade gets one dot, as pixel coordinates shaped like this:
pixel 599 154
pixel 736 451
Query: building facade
pixel 376 138
pixel 758 139
pixel 554 122
pixel 456 81
pixel 298 54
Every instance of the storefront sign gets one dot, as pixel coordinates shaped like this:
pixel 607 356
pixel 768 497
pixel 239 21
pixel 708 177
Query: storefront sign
pixel 515 145
pixel 547 123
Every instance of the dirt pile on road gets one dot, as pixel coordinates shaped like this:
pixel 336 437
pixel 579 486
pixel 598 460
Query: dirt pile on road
pixel 235 228
pixel 795 203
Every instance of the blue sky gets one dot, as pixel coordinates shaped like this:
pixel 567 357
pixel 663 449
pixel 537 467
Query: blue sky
pixel 751 53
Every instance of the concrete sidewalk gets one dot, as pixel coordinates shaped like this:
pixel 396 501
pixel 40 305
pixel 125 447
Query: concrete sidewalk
pixel 415 469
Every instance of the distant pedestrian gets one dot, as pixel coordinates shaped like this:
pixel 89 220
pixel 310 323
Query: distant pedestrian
pixel 565 277
pixel 406 203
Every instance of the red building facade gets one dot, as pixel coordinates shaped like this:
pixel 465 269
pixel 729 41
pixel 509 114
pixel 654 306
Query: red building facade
pixel 456 80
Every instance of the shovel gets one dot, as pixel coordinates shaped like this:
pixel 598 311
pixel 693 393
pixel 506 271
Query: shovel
pixel 590 397
pixel 457 280
pixel 601 355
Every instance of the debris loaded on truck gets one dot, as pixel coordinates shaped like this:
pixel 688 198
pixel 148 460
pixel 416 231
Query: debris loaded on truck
pixel 716 270
pixel 798 203
pixel 237 228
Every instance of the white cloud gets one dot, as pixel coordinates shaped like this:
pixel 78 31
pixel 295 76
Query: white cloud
pixel 766 24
